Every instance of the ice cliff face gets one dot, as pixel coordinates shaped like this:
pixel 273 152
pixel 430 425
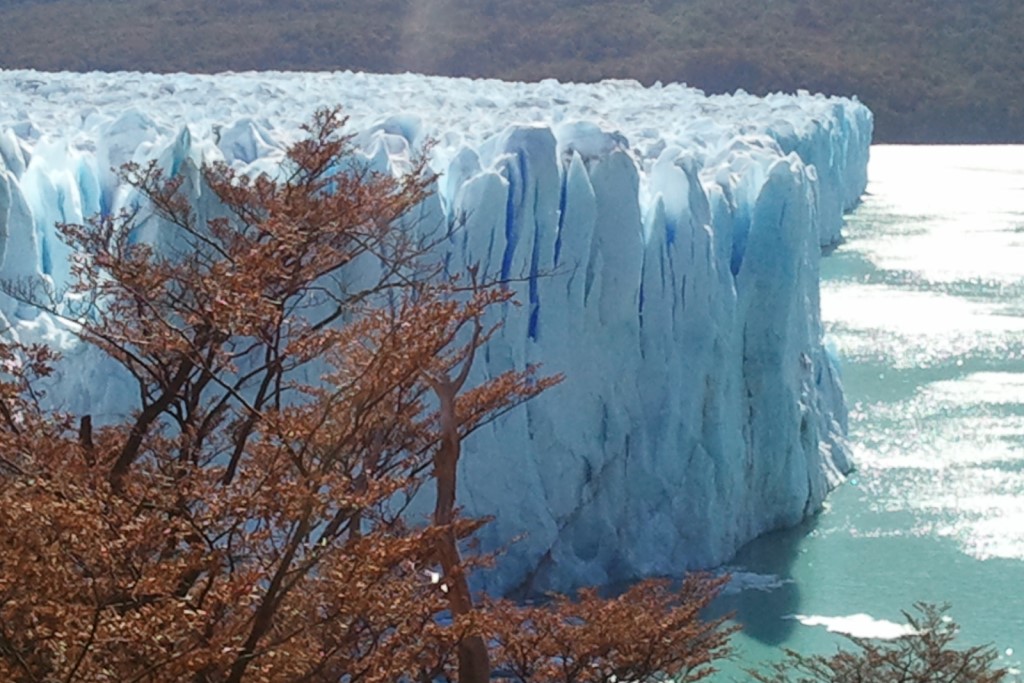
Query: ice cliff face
pixel 667 247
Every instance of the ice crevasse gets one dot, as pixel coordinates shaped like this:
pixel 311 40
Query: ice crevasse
pixel 665 246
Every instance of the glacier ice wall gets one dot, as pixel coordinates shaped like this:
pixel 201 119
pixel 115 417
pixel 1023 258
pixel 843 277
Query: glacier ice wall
pixel 666 249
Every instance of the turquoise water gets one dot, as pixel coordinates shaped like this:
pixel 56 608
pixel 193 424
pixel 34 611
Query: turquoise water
pixel 924 305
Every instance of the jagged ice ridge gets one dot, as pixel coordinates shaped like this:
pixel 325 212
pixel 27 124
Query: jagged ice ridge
pixel 668 244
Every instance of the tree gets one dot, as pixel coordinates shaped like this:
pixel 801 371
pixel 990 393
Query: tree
pixel 650 632
pixel 925 655
pixel 301 374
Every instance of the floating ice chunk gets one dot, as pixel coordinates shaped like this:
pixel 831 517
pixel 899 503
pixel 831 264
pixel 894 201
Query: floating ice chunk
pixel 859 626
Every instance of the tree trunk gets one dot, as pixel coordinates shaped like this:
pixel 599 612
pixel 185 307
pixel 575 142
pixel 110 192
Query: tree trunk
pixel 474 660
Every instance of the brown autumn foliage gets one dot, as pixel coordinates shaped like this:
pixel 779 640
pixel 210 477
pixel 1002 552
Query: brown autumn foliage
pixel 649 632
pixel 927 654
pixel 302 372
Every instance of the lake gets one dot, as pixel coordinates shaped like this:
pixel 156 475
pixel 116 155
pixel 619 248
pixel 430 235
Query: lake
pixel 924 307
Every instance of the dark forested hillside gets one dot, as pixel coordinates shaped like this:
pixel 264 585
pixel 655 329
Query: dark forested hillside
pixel 932 70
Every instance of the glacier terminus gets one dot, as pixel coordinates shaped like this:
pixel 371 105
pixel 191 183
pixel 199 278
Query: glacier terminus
pixel 664 245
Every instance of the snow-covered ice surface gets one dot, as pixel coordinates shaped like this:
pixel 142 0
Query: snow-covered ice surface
pixel 668 244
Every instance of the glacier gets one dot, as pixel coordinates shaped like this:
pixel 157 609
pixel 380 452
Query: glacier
pixel 665 246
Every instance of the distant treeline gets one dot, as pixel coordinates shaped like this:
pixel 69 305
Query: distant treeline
pixel 932 70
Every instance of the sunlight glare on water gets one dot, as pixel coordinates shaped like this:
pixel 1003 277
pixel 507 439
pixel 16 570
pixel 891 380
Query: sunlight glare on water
pixel 935 305
pixel 924 305
pixel 956 212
